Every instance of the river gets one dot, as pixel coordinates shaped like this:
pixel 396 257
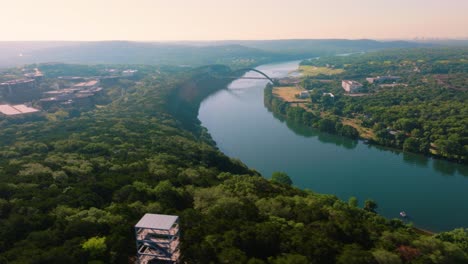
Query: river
pixel 434 193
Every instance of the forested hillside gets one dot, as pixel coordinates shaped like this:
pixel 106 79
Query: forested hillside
pixel 72 188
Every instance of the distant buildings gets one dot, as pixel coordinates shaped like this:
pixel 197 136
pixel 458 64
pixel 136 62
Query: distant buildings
pixel 11 110
pixel 78 91
pixel 393 85
pixel 351 86
pixel 29 82
pixel 128 73
pixel 381 79
pixel 19 90
pixel 72 78
pixel 329 94
pixel 18 84
pixel 87 85
pixel 111 70
pixel 36 75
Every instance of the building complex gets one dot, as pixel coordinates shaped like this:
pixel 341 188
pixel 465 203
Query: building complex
pixel 351 86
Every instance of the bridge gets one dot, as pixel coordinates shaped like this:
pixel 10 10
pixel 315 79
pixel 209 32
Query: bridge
pixel 273 81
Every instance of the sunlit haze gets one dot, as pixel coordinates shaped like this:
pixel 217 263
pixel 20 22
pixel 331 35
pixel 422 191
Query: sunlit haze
pixel 160 20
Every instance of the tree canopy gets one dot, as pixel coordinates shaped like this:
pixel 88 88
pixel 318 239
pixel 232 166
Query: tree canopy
pixel 72 188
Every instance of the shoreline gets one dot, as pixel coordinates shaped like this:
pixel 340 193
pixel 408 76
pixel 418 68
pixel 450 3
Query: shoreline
pixel 368 140
pixel 424 231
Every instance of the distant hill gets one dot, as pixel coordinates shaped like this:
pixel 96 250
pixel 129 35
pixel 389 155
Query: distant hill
pixel 447 42
pixel 124 52
pixel 327 46
pixel 11 52
pixel 234 53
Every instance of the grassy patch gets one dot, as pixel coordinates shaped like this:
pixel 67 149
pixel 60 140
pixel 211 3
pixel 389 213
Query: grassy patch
pixel 288 94
pixel 364 132
pixel 309 70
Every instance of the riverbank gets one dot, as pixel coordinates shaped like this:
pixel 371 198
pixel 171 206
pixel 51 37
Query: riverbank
pixel 244 129
pixel 308 112
pixel 300 114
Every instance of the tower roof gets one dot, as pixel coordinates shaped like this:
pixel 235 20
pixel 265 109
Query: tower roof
pixel 157 221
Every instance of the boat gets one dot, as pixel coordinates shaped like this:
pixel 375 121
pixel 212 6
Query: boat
pixel 403 214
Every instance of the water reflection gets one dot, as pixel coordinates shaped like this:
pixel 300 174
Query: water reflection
pixel 444 167
pixel 308 132
pixel 384 149
pixel 414 159
pixel 338 140
pixel 235 93
pixel 463 170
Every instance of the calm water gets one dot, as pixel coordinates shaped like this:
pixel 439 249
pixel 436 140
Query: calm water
pixel 434 193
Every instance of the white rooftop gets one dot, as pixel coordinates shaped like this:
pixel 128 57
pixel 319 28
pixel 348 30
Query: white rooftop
pixel 25 109
pixel 157 221
pixel 16 109
pixel 9 110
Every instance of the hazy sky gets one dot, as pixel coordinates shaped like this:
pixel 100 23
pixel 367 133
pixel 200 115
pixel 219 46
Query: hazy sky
pixel 233 19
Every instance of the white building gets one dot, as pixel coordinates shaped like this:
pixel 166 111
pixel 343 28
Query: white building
pixel 351 86
pixel 128 73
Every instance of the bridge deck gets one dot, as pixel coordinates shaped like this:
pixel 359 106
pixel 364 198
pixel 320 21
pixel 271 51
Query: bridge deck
pixel 252 78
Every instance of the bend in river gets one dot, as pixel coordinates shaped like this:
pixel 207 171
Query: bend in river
pixel 432 192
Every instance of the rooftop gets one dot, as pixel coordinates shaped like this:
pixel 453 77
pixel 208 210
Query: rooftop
pixel 9 110
pixel 86 84
pixel 17 81
pixel 16 109
pixel 351 82
pixel 157 221
pixel 25 109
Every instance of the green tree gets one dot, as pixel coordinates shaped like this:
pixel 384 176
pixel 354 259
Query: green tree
pixel 232 255
pixel 353 201
pixel 354 254
pixel 457 236
pixel 370 205
pixel 290 259
pixel 281 177
pixel 411 144
pixel 384 257
pixel 349 131
pixel 95 246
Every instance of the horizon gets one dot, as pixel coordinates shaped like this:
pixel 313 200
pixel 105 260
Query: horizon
pixel 210 20
pixel 234 40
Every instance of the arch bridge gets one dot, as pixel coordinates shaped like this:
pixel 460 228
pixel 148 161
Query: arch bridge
pixel 273 81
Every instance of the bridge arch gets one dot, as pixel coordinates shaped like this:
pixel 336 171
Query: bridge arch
pixel 255 70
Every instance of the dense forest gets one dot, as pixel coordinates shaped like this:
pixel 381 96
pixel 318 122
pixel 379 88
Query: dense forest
pixel 73 186
pixel 424 111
